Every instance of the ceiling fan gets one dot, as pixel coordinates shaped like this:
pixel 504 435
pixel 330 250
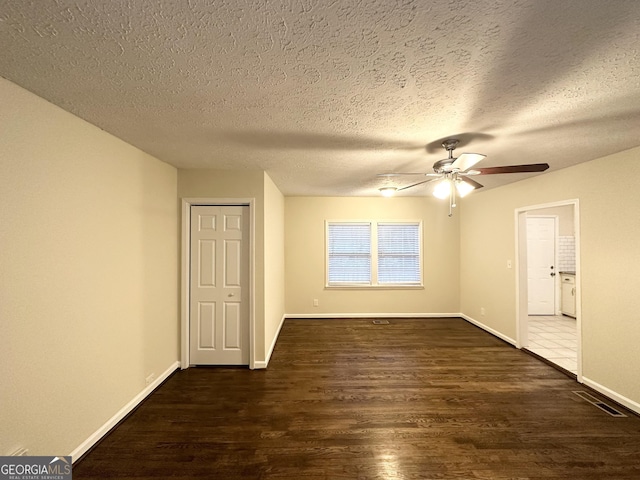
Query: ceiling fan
pixel 453 174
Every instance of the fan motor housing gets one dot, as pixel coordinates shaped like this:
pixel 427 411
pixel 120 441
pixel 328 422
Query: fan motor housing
pixel 444 165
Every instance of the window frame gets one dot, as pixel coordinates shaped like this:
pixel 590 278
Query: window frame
pixel 373 230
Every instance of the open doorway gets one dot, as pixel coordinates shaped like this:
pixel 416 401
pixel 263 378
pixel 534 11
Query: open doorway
pixel 547 252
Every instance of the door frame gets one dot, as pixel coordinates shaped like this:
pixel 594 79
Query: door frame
pixel 556 246
pixel 185 285
pixel 522 310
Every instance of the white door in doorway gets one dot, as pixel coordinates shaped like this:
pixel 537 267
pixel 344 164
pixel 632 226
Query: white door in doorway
pixel 219 300
pixel 541 269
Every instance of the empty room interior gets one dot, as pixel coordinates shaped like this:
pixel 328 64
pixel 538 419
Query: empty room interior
pixel 248 186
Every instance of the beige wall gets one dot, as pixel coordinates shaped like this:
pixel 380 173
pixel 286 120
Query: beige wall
pixel 305 256
pixel 88 272
pixel 226 184
pixel 610 260
pixel 273 260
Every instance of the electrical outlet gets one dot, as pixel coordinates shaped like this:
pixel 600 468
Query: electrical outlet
pixel 150 378
pixel 482 311
pixel 315 302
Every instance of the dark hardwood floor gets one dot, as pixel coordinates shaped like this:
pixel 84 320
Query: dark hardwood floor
pixel 346 399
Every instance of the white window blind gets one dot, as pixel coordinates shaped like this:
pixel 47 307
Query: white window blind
pixel 398 253
pixel 349 252
pixel 374 254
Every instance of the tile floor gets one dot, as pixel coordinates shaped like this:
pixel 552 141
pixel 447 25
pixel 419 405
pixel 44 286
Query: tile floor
pixel 555 338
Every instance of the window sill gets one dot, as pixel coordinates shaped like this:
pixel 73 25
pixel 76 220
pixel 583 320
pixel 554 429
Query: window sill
pixel 374 287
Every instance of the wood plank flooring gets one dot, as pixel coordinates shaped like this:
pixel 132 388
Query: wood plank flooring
pixel 346 399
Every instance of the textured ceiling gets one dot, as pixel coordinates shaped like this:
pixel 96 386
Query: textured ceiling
pixel 325 94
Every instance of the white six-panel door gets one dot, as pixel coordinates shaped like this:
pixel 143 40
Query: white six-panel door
pixel 541 268
pixel 219 274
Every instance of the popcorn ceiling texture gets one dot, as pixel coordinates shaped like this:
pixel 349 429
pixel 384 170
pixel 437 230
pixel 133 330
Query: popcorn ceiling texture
pixel 325 94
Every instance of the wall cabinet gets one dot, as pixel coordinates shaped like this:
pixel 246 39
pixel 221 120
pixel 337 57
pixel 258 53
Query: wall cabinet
pixel 568 306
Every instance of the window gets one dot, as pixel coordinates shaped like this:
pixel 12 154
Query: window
pixel 398 253
pixel 377 254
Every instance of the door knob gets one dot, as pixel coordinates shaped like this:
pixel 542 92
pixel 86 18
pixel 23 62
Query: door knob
pixel 231 294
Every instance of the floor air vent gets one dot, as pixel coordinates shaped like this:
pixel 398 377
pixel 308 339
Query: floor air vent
pixel 381 322
pixel 599 403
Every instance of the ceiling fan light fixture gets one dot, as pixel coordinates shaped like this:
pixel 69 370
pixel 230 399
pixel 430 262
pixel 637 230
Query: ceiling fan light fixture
pixel 452 174
pixel 464 188
pixel 388 191
pixel 442 189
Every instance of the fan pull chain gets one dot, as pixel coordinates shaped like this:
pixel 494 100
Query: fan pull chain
pixel 452 195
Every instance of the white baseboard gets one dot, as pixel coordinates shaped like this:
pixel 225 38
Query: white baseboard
pixel 615 396
pixel 259 365
pixel 123 412
pixel 488 329
pixel 371 315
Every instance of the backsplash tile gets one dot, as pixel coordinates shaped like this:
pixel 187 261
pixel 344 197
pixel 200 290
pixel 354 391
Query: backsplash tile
pixel 567 254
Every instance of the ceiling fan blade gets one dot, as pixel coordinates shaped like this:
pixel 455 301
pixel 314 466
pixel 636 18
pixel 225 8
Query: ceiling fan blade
pixel 475 184
pixel 416 184
pixel 533 167
pixel 466 160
